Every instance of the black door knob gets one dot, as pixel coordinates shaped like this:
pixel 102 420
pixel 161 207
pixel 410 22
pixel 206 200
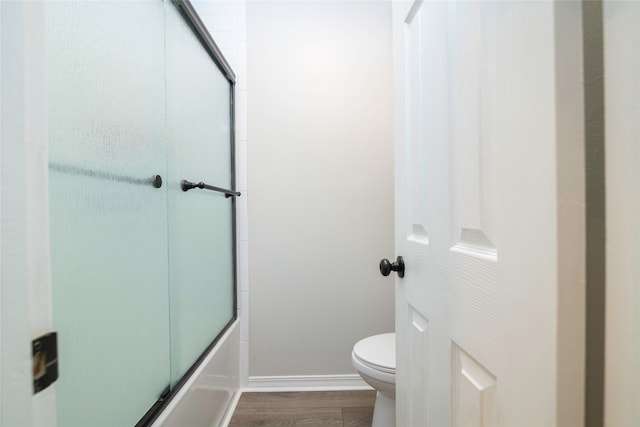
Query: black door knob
pixel 387 267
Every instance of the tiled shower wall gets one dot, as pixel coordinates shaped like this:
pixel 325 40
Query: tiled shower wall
pixel 226 21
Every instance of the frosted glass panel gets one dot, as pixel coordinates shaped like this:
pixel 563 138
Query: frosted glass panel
pixel 106 95
pixel 200 221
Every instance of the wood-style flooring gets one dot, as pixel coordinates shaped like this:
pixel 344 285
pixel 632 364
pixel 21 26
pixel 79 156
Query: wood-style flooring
pixel 309 409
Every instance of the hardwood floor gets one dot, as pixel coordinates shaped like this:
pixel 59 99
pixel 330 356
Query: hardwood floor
pixel 309 409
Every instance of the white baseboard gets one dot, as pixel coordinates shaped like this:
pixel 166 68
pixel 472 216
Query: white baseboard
pixel 307 383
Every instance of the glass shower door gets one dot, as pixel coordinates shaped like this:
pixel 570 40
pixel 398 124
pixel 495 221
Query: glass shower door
pixel 143 272
pixel 201 225
pixel 109 247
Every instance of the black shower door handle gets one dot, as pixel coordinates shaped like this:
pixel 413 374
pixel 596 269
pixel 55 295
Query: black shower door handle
pixel 187 185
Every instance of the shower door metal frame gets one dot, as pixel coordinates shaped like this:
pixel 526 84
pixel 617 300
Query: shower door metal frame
pixel 188 12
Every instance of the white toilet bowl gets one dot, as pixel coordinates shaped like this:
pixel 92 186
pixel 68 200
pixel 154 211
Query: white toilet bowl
pixel 375 360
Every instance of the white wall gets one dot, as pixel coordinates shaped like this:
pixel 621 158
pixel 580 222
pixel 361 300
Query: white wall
pixel 320 176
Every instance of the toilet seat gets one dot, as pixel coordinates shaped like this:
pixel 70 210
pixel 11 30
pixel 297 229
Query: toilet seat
pixel 377 352
pixel 375 360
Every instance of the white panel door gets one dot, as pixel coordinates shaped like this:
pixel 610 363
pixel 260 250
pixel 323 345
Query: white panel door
pixel 489 185
pixel 622 147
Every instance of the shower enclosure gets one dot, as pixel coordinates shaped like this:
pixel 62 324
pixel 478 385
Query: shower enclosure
pixel 139 101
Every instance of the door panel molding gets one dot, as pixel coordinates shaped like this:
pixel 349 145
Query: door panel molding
pixel 473 391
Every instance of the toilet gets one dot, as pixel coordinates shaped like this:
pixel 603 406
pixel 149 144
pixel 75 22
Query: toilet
pixel 375 360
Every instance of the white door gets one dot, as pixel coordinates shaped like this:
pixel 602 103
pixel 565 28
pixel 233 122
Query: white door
pixel 489 213
pixel 622 147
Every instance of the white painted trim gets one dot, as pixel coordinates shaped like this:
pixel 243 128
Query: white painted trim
pixel 231 409
pixel 194 376
pixel 15 359
pixel 307 383
pixel 25 302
